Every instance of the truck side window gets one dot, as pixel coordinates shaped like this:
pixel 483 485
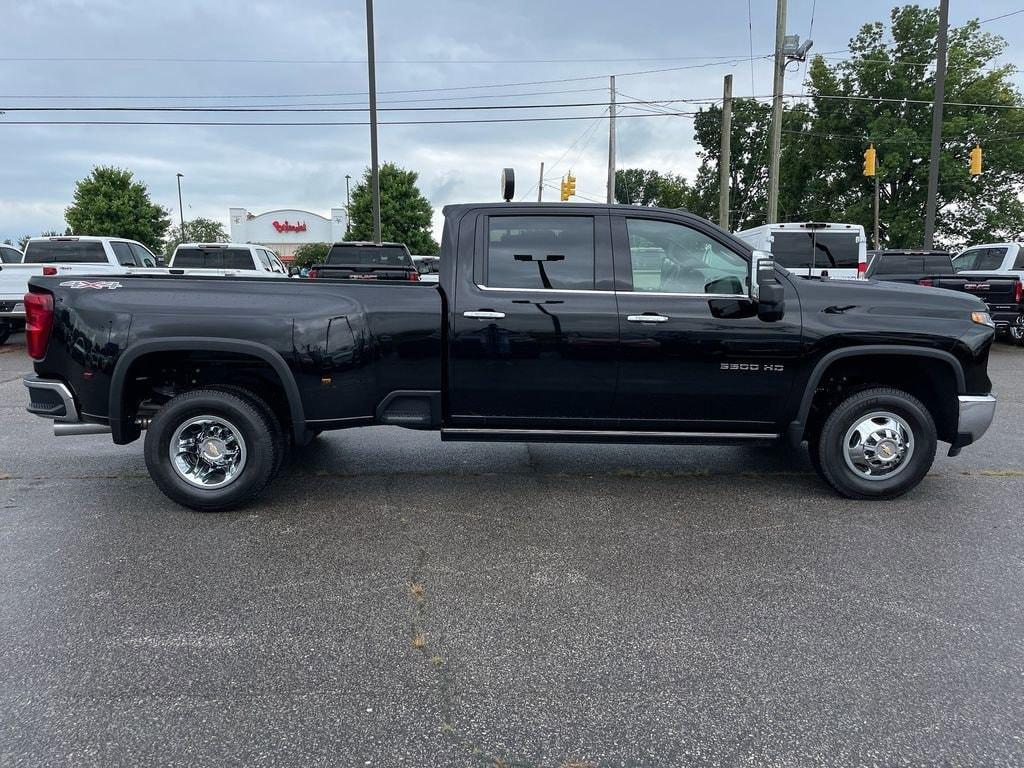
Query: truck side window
pixel 1019 263
pixel 143 258
pixel 540 252
pixel 990 258
pixel 671 258
pixel 123 254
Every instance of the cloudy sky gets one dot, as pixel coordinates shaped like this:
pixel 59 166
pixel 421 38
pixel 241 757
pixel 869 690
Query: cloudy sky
pixel 232 53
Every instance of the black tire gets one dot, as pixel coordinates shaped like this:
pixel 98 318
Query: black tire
pixel 831 446
pixel 281 437
pixel 5 332
pixel 1016 333
pixel 256 430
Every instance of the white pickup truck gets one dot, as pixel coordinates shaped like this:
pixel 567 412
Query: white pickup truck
pixel 226 260
pixel 64 256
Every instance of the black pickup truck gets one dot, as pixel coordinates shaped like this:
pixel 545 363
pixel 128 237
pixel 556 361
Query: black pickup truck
pixel 551 322
pixel 352 260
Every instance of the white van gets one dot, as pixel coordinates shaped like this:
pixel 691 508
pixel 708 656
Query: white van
pixel 813 249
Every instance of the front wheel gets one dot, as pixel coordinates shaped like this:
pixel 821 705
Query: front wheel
pixel 1017 331
pixel 211 450
pixel 877 444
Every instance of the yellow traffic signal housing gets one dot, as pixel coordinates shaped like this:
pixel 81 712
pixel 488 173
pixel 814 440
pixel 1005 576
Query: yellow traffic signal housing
pixel 976 160
pixel 565 192
pixel 869 161
pixel 570 183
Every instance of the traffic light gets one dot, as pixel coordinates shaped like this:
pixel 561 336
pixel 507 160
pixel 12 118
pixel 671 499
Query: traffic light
pixel 568 187
pixel 976 160
pixel 869 161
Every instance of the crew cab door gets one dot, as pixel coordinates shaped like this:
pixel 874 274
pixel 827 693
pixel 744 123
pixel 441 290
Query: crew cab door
pixel 533 336
pixel 694 354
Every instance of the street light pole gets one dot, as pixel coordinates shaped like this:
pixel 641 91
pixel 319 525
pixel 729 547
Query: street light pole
pixel 940 96
pixel 374 169
pixel 775 145
pixel 181 211
pixel 348 206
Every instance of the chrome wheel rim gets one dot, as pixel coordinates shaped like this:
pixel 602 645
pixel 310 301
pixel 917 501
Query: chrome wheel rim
pixel 208 452
pixel 878 446
pixel 1017 329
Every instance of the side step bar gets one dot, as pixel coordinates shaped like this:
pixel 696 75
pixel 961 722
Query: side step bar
pixel 604 436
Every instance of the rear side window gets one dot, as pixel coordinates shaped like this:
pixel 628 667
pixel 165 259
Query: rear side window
pixel 65 252
pixel 816 247
pixel 990 258
pixel 123 254
pixel 1019 263
pixel 368 256
pixel 540 252
pixel 214 258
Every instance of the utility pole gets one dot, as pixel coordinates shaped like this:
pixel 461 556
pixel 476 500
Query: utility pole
pixel 724 157
pixel 940 96
pixel 877 246
pixel 348 206
pixel 374 168
pixel 181 211
pixel 540 184
pixel 775 145
pixel 611 140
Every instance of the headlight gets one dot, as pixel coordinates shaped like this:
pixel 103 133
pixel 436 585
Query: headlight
pixel 983 318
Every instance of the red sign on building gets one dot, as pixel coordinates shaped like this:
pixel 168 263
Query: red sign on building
pixel 285 226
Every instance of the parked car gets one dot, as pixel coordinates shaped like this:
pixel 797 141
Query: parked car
pixel 367 261
pixel 429 268
pixel 812 249
pixel 1003 295
pixel 543 328
pixel 908 266
pixel 227 259
pixel 10 255
pixel 64 257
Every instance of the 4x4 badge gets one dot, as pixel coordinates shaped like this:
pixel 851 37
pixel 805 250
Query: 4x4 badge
pixel 95 284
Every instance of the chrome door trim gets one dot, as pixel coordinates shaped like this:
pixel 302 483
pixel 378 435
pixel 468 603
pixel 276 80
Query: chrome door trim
pixel 484 314
pixel 608 433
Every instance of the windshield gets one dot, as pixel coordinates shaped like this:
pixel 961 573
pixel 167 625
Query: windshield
pixel 65 252
pixel 816 247
pixel 213 258
pixel 369 256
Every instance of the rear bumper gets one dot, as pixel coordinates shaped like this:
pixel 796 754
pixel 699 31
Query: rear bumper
pixel 976 414
pixel 12 309
pixel 1004 318
pixel 52 399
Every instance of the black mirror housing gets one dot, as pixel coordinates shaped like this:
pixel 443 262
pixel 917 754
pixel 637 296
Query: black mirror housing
pixel 766 289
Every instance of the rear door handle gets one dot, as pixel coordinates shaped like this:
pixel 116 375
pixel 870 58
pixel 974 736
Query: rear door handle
pixel 485 314
pixel 647 318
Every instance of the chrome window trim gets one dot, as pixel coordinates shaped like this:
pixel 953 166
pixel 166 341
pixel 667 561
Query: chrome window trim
pixel 546 291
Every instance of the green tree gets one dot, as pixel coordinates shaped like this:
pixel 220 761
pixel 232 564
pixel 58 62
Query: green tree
pixel 642 186
pixel 308 254
pixel 882 95
pixel 198 230
pixel 109 202
pixel 748 162
pixel 405 214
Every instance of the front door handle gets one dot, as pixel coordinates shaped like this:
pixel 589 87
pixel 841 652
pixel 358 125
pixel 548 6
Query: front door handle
pixel 485 314
pixel 647 318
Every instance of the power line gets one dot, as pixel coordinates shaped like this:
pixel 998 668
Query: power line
pixel 261 124
pixel 228 60
pixel 448 89
pixel 1004 16
pixel 292 108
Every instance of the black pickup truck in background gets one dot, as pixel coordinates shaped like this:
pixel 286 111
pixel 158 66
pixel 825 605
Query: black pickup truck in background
pixel 908 266
pixel 367 261
pixel 1002 294
pixel 551 322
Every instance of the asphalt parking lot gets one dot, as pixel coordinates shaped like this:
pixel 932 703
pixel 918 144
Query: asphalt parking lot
pixel 398 601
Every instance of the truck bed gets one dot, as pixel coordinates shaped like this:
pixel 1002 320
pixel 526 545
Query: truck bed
pixel 383 336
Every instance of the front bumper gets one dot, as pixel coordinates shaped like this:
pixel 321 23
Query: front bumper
pixel 975 417
pixel 52 399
